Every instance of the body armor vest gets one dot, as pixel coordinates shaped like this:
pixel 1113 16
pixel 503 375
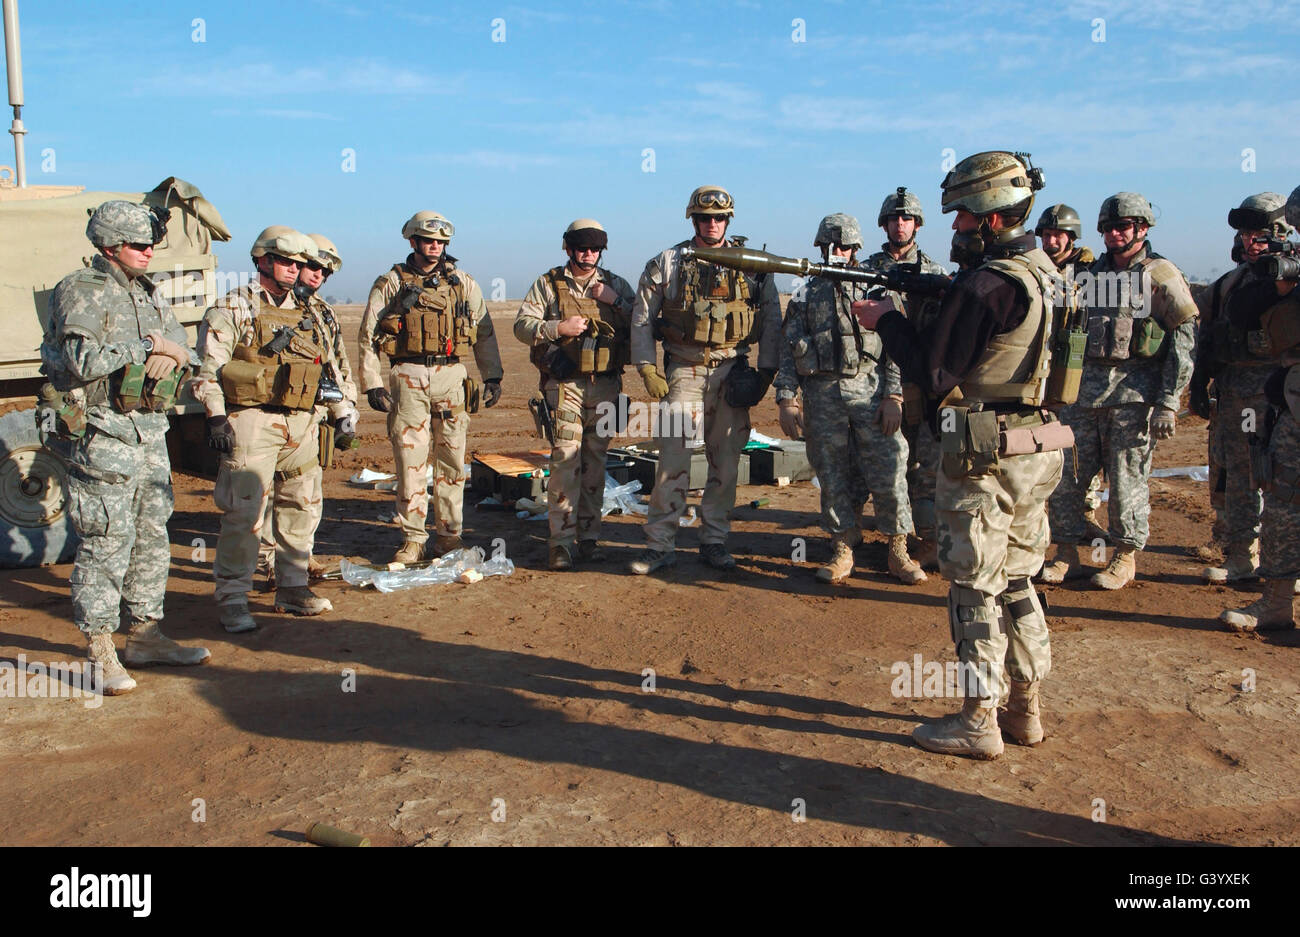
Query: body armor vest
pixel 1120 326
pixel 278 362
pixel 1232 345
pixel 826 337
pixel 429 315
pixel 715 308
pixel 1015 365
pixel 606 351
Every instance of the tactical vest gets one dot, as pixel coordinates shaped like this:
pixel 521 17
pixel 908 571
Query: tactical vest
pixel 127 389
pixel 1120 327
pixel 278 362
pixel 429 315
pixel 921 311
pixel 1232 345
pixel 1279 331
pixel 715 308
pixel 607 351
pixel 826 338
pixel 1015 365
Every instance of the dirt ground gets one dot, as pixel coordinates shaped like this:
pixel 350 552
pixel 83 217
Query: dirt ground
pixel 512 711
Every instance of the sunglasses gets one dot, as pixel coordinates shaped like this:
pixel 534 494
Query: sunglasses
pixel 315 267
pixel 139 247
pixel 421 239
pixel 1120 226
pixel 286 261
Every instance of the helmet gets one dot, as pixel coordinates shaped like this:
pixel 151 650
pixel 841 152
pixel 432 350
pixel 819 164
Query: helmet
pixel 1060 218
pixel 585 232
pixel 1293 208
pixel 1263 212
pixel 990 181
pixel 901 202
pixel 710 200
pixel 428 224
pixel 1125 205
pixel 840 229
pixel 327 255
pixel 284 241
pixel 122 222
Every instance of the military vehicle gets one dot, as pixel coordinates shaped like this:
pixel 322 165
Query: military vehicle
pixel 42 239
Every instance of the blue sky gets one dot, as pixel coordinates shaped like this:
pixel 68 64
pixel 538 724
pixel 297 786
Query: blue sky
pixel 800 109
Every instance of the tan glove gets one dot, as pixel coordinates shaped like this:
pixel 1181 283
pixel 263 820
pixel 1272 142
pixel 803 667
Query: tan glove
pixel 890 415
pixel 655 385
pixel 1163 423
pixel 158 366
pixel 165 346
pixel 791 416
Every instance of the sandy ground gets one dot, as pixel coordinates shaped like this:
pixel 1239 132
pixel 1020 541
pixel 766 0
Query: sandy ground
pixel 514 710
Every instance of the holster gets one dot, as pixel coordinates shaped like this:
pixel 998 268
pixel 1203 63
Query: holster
pixel 471 395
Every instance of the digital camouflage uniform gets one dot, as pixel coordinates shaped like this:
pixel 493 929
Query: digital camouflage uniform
pixel 844 375
pixel 922 443
pixel 119 483
pixel 1111 418
pixel 695 374
pixel 428 399
pixel 575 491
pixel 275 453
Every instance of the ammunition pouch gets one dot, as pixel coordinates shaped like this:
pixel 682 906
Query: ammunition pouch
pixel 972 441
pixel 1119 338
pixel 427 319
pixel 60 414
pixel 471 395
pixel 1231 345
pixel 325 444
pixel 134 390
pixel 255 383
pixel 715 308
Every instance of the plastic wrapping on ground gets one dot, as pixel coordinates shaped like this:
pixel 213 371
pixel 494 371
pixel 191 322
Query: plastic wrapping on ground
pixel 468 564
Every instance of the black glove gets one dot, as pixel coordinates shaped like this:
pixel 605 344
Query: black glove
pixel 380 399
pixel 491 392
pixel 1198 394
pixel 221 435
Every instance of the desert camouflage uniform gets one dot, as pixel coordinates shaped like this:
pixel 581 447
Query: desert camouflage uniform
pixel 428 407
pixel 842 397
pixel 1240 402
pixel 119 485
pixel 575 491
pixel 922 443
pixel 274 455
pixel 324 313
pixel 695 376
pixel 1111 419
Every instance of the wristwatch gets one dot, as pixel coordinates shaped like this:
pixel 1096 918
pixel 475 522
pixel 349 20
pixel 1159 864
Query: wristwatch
pixel 147 342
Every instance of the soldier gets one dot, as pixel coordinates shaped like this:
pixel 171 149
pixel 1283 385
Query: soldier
pixel 115 351
pixel 1136 356
pixel 1059 226
pixel 264 359
pixel 901 216
pixel 709 318
pixel 426 315
pixel 311 278
pixel 1239 364
pixel 985 363
pixel 1271 311
pixel 576 320
pixel 852 409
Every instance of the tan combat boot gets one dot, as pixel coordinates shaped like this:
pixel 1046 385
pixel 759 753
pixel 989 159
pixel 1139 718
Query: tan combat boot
pixel 409 552
pixel 901 566
pixel 1120 572
pixel 1241 565
pixel 1021 721
pixel 927 551
pixel 840 566
pixel 116 680
pixel 971 733
pixel 559 559
pixel 445 543
pixel 1093 529
pixel 236 618
pixel 1067 565
pixel 146 644
pixel 1270 612
pixel 300 600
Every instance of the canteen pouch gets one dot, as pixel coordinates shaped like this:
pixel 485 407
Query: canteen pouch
pixel 247 383
pixel 1148 337
pixel 968 442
